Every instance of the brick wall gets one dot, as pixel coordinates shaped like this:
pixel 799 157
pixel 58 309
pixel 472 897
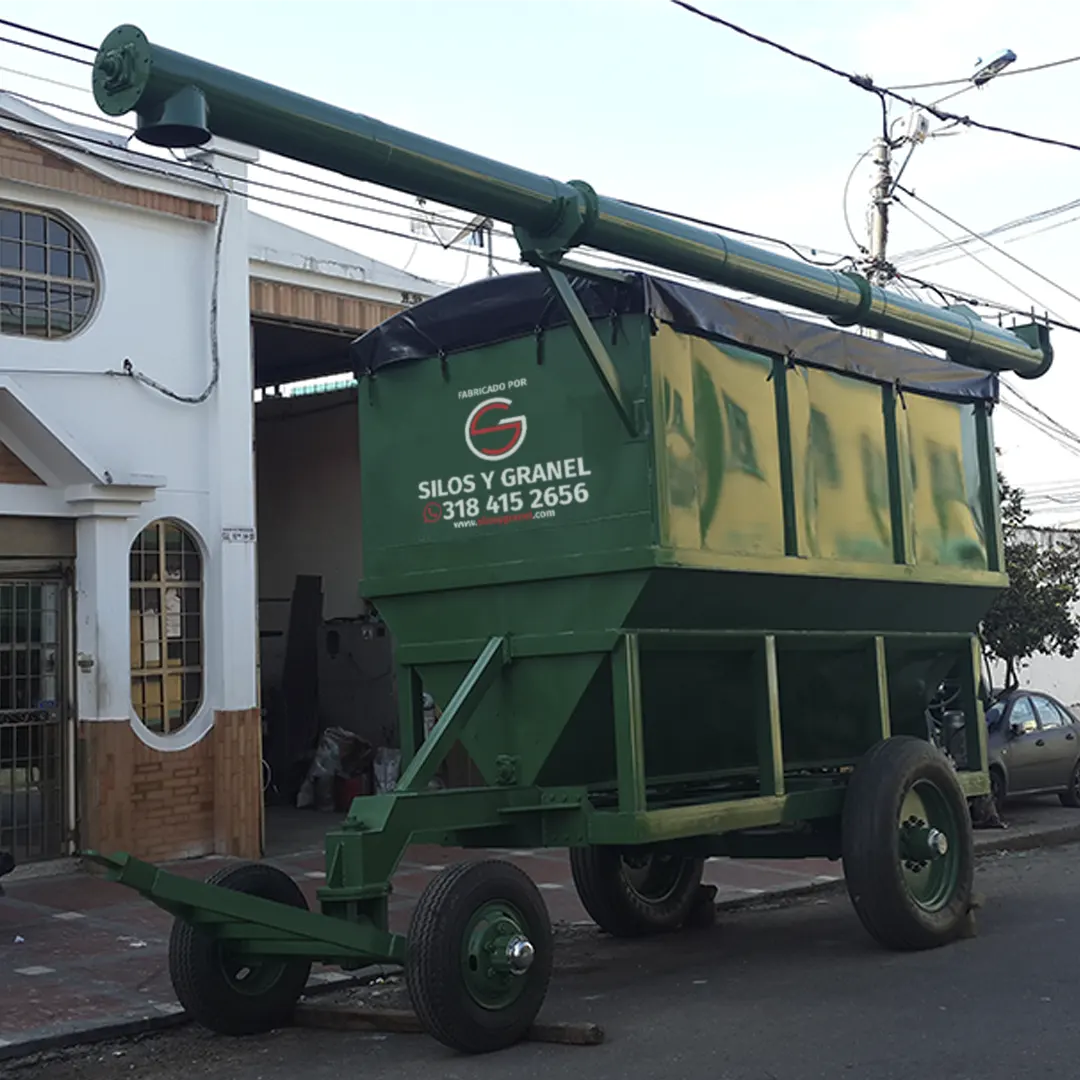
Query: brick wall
pixel 28 163
pixel 200 801
pixel 14 471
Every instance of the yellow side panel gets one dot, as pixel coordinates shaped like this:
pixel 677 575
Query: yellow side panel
pixel 845 487
pixel 721 467
pixel 944 477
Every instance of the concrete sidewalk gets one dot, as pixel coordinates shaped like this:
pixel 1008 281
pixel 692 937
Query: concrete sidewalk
pixel 83 958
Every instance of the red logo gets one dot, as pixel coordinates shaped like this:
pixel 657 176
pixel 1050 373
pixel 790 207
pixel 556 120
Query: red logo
pixel 432 512
pixel 492 435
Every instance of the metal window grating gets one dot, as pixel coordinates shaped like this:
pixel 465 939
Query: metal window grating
pixel 33 780
pixel 47 280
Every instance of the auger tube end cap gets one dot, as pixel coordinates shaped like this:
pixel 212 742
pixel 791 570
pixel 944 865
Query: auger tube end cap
pixel 121 70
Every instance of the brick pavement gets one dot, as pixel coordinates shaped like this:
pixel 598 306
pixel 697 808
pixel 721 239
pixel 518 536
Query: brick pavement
pixel 77 951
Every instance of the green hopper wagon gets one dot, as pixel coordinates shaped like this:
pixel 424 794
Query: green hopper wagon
pixel 688 576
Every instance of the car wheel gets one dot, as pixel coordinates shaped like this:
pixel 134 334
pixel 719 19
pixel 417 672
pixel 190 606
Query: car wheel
pixel 999 790
pixel 1071 795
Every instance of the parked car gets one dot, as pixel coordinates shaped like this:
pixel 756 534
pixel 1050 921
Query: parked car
pixel 1033 747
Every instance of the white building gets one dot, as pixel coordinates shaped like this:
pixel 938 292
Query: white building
pixel 142 305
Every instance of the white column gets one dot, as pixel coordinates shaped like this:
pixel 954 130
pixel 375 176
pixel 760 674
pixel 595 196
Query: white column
pixel 231 594
pixel 102 614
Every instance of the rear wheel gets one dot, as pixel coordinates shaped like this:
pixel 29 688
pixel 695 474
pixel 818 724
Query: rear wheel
pixel 908 845
pixel 225 991
pixel 479 956
pixel 629 894
pixel 1071 795
pixel 999 790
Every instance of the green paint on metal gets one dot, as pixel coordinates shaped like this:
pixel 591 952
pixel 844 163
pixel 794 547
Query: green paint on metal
pixel 549 216
pixel 929 846
pixel 433 752
pixel 770 748
pixel 629 741
pixel 882 717
pixel 591 344
pixel 787 457
pixel 307 929
pixel 486 967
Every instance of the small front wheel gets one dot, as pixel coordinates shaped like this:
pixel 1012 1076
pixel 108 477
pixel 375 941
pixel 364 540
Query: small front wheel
pixel 908 845
pixel 224 990
pixel 479 956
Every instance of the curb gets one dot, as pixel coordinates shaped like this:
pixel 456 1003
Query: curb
pixel 1027 841
pixel 87 1035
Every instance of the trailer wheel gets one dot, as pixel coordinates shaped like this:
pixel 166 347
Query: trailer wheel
pixel 224 991
pixel 479 956
pixel 630 894
pixel 908 845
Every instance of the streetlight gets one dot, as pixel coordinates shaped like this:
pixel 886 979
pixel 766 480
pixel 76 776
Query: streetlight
pixel 918 131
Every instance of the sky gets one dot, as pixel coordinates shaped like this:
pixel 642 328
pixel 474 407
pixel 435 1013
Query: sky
pixel 650 103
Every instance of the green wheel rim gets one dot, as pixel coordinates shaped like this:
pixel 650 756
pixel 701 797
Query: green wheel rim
pixel 926 816
pixel 488 977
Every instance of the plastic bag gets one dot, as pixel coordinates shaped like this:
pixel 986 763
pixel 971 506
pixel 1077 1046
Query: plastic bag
pixel 387 769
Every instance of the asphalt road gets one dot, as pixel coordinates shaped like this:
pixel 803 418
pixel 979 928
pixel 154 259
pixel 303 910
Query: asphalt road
pixel 792 992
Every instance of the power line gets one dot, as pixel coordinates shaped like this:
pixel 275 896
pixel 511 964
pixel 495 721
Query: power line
pixel 45 52
pixel 192 168
pixel 193 177
pixel 1067 432
pixel 864 82
pixel 1000 75
pixel 46 34
pixel 947 293
pixel 986 266
pixel 43 79
pixel 1001 251
pixel 1016 223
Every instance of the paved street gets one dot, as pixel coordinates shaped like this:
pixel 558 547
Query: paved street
pixel 78 951
pixel 792 992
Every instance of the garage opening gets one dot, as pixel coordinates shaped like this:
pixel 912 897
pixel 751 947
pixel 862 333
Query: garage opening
pixel 326 658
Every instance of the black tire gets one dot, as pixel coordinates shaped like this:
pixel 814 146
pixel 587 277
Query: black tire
pixel 1071 795
pixel 629 901
pixel 999 790
pixel 209 983
pixel 882 880
pixel 441 971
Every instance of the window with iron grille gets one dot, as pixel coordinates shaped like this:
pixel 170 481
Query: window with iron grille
pixel 166 627
pixel 48 282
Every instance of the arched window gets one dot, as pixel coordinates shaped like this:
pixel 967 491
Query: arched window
pixel 166 627
pixel 48 281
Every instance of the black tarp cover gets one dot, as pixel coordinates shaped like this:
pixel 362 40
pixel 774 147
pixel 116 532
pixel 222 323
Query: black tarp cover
pixel 519 305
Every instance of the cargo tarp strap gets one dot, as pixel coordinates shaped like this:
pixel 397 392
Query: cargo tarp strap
pixel 590 341
pixel 444 734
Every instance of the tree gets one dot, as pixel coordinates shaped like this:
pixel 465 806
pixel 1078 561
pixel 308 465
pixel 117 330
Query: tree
pixel 1035 614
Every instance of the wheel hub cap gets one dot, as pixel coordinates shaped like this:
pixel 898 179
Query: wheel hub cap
pixel 929 855
pixel 496 955
pixel 519 955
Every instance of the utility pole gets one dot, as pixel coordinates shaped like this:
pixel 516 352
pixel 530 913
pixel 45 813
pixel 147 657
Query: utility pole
pixel 878 223
pixel 918 129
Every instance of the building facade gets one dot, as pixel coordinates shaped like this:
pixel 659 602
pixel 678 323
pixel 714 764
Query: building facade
pixel 133 300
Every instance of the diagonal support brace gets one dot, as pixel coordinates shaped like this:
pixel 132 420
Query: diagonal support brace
pixel 444 734
pixel 590 342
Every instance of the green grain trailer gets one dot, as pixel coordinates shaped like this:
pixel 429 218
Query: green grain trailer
pixel 688 577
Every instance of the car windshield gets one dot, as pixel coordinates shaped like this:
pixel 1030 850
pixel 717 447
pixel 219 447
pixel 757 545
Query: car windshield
pixel 994 714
